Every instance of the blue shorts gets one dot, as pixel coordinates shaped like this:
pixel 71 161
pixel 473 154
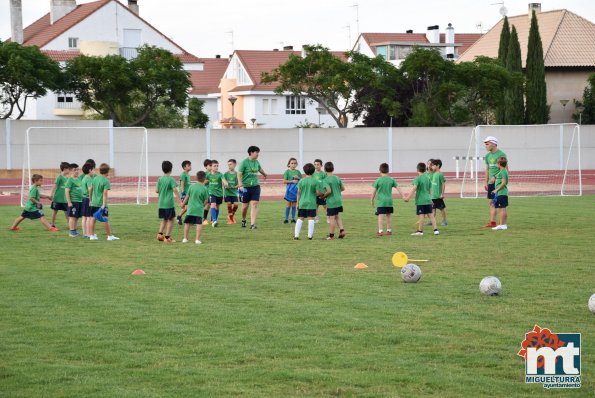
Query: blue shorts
pixel 76 210
pixel 183 196
pixel 320 201
pixel 438 204
pixel 334 211
pixel 94 210
pixel 85 208
pixel 167 214
pixel 231 199
pixel 251 194
pixel 423 209
pixel 215 199
pixel 501 202
pixel 306 213
pixel 385 210
pixel 193 220
pixel 59 206
pixel 491 188
pixel 32 215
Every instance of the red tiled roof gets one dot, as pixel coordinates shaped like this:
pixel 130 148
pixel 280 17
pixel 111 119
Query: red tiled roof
pixel 207 80
pixel 188 58
pixel 61 56
pixel 466 39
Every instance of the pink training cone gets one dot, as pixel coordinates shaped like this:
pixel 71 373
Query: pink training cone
pixel 360 266
pixel 138 272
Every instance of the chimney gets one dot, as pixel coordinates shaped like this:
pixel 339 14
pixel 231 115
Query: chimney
pixel 534 7
pixel 409 31
pixel 450 39
pixel 288 48
pixel 59 8
pixel 275 49
pixel 433 34
pixel 16 21
pixel 133 6
pixel 218 56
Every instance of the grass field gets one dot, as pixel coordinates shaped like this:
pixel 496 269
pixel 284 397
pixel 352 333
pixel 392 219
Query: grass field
pixel 256 314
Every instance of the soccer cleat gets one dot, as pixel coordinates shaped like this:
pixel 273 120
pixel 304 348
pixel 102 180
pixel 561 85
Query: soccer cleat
pixel 54 229
pixel 197 242
pixel 491 224
pixel 296 238
pixel 285 221
pixel 215 224
pixel 243 223
pixel 444 223
pixel 253 226
pixel 233 219
pixel 167 240
pixel 93 237
pixel 417 233
pixel 293 221
pixel 436 232
pixel 73 235
pixel 341 234
pixel 184 240
pixel 330 238
pixel 15 229
pixel 179 220
pixel 309 238
pixel 229 220
pixel 112 237
pixel 389 233
pixel 379 234
pixel 500 227
pixel 160 237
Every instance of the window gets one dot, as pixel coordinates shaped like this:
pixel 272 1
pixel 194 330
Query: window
pixel 73 42
pixel 265 107
pixel 65 99
pixel 295 105
pixel 274 106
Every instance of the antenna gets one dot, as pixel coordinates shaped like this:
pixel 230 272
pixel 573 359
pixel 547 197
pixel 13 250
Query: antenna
pixel 356 6
pixel 230 32
pixel 479 26
pixel 502 10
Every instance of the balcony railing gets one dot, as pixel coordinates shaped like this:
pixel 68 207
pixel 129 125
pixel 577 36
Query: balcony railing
pixel 129 52
pixel 67 103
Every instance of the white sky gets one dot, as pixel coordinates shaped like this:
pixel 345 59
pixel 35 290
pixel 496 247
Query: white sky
pixel 202 26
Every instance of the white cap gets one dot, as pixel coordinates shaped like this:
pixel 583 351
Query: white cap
pixel 491 139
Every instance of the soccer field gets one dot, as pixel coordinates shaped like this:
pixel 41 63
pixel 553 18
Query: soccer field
pixel 257 314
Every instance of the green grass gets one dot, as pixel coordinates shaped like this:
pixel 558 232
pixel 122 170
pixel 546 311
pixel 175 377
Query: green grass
pixel 256 314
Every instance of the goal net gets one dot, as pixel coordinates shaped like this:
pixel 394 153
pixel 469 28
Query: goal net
pixel 543 160
pixel 124 149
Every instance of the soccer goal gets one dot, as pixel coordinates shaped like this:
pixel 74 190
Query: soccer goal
pixel 125 149
pixel 543 160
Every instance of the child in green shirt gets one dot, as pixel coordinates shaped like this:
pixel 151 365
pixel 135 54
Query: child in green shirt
pixel 421 188
pixel 383 188
pixel 230 192
pixel 438 189
pixel 215 179
pixel 291 177
pixel 57 195
pixel 184 185
pixel 306 199
pixel 319 175
pixel 196 198
pixel 166 188
pixel 501 193
pixel 74 198
pixel 331 188
pixel 33 207
pixel 98 192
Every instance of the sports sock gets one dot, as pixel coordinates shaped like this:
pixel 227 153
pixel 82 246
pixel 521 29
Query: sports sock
pixel 311 224
pixel 286 213
pixel 293 213
pixel 235 208
pixel 205 215
pixel 213 214
pixel 298 227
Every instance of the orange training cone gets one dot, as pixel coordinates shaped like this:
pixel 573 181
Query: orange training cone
pixel 138 272
pixel 360 266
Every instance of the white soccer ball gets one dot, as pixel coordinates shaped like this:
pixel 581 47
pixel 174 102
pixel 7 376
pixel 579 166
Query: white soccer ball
pixel 490 286
pixel 410 273
pixel 592 303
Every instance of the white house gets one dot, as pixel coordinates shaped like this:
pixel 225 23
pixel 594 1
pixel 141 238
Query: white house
pixel 104 27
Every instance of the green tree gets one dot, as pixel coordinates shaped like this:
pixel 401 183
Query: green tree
pixel 502 53
pixel 514 110
pixel 537 110
pixel 196 117
pixel 25 73
pixel 588 102
pixel 129 92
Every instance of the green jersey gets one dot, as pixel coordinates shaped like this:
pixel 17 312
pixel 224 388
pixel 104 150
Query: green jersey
pixel 165 190
pixel 490 161
pixel 215 184
pixel 184 181
pixel 197 194
pixel 85 184
pixel 292 175
pixel 59 195
pixel 100 183
pixel 334 200
pixel 76 193
pixel 307 190
pixel 232 184
pixel 438 181
pixel 33 194
pixel 319 175
pixel 81 176
pixel 502 175
pixel 422 192
pixel 384 191
pixel 249 169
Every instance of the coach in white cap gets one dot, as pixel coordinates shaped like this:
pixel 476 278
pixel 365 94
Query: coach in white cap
pixel 493 154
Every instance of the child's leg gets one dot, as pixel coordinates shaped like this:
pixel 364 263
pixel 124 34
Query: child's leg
pixel 287 208
pixel 92 226
pixel 18 220
pixel 162 226
pixel 380 222
pixel 66 216
pixel 420 222
pixel 332 225
pixel 433 220
pixel 311 224
pixel 229 210
pixel 45 222
pixel 503 216
pixel 169 224
pixel 328 220
pixel 253 211
pixel 298 227
pixel 186 231
pixel 72 223
pixel 213 211
pixel 443 214
pixel 84 225
pixel 492 212
pixel 244 210
pixel 293 210
pixel 198 231
pixel 389 222
pixel 54 213
pixel 108 228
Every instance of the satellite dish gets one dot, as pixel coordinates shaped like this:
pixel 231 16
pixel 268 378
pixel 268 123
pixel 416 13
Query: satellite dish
pixel 503 11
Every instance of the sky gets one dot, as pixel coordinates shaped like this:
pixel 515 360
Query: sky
pixel 206 28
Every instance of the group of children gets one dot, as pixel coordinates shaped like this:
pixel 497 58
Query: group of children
pixel 78 195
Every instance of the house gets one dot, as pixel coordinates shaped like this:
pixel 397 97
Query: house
pixel 568 50
pixel 246 102
pixel 99 28
pixel 395 47
pixel 205 86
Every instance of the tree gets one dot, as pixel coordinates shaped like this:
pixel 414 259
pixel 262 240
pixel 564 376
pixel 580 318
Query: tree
pixel 25 73
pixel 514 110
pixel 537 110
pixel 196 117
pixel 128 92
pixel 588 102
pixel 502 53
pixel 322 77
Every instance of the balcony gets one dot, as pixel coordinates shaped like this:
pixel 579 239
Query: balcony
pixel 67 105
pixel 129 52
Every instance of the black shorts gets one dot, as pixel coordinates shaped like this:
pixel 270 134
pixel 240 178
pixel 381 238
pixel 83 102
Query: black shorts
pixel 306 213
pixel 423 209
pixel 94 210
pixel 320 201
pixel 438 204
pixel 76 210
pixel 167 214
pixel 334 211
pixel 501 202
pixel 250 194
pixel 32 215
pixel 215 199
pixel 491 188
pixel 385 210
pixel 59 206
pixel 193 220
pixel 85 208
pixel 231 199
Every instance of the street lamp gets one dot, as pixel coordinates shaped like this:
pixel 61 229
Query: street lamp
pixel 564 102
pixel 319 109
pixel 580 109
pixel 233 100
pixel 253 120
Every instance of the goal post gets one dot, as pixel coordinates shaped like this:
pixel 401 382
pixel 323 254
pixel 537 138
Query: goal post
pixel 543 160
pixel 125 149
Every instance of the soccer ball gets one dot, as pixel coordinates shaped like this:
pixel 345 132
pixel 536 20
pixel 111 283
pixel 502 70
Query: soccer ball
pixel 592 303
pixel 490 286
pixel 410 273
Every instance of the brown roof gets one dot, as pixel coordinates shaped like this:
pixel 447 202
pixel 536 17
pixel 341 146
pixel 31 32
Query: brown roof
pixel 207 80
pixel 61 56
pixel 466 39
pixel 568 39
